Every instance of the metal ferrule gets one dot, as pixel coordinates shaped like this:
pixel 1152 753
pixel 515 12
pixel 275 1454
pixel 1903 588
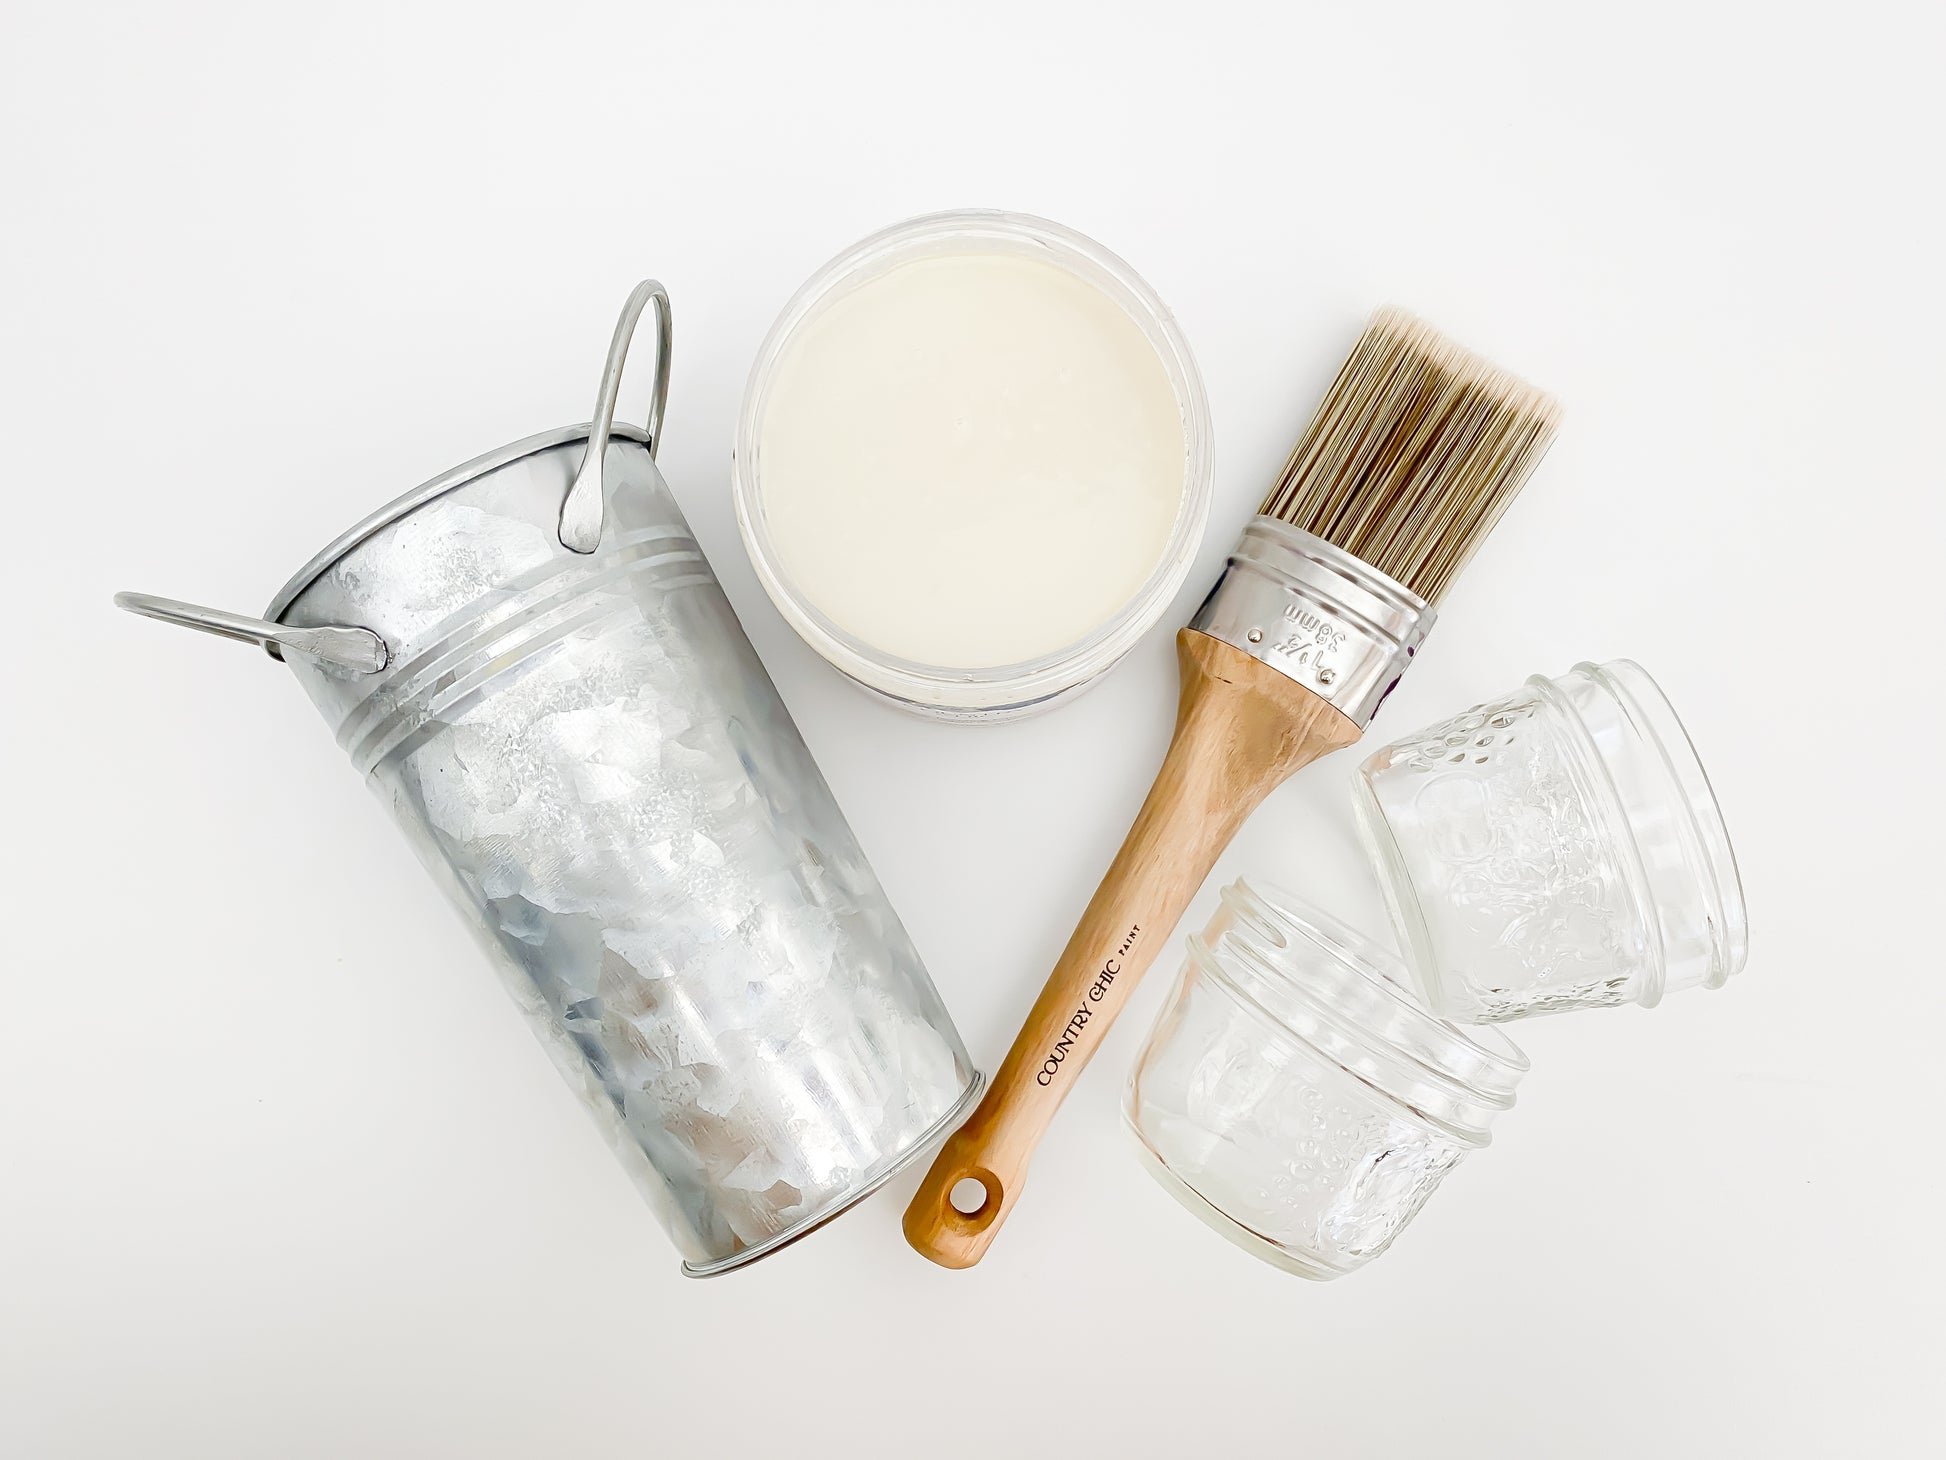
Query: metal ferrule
pixel 1330 621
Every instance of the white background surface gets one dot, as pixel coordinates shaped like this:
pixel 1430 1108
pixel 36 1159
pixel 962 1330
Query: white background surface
pixel 281 1173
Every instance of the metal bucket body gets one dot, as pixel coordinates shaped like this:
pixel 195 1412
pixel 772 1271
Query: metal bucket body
pixel 588 755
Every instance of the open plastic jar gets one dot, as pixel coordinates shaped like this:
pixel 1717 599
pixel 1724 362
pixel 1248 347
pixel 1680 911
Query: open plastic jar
pixel 973 463
pixel 1297 1097
pixel 1557 848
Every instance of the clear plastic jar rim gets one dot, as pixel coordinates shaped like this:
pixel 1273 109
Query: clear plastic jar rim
pixel 1009 687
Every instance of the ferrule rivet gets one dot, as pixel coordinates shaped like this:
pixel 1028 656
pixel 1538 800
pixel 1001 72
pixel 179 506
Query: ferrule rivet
pixel 1326 675
pixel 1255 636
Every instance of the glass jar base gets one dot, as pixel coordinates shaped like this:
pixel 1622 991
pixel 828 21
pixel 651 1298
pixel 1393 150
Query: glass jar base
pixel 1224 1226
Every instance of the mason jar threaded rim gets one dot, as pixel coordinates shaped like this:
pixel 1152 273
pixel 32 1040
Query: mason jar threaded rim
pixel 1315 980
pixel 1642 778
pixel 1719 881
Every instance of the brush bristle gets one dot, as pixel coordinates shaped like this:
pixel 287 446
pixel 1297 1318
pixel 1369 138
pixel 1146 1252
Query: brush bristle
pixel 1415 453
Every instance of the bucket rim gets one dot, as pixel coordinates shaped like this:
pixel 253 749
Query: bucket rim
pixel 407 503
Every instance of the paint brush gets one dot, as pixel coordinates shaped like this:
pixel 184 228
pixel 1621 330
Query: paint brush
pixel 1417 450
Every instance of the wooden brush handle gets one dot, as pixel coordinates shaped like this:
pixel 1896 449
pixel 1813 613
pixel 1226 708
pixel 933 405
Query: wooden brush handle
pixel 1242 727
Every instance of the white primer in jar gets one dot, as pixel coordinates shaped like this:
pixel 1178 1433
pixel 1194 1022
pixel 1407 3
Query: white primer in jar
pixel 973 463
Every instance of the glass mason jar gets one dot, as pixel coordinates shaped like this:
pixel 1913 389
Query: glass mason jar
pixel 1557 848
pixel 1297 1097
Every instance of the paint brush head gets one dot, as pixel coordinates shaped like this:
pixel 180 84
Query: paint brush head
pixel 1417 450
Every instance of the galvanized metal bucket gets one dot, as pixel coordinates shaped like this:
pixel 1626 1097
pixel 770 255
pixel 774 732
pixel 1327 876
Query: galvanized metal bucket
pixel 531 663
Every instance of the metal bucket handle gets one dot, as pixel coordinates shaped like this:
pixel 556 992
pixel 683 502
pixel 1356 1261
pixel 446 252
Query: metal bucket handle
pixel 581 513
pixel 360 650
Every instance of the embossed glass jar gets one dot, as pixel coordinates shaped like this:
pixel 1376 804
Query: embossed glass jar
pixel 1557 848
pixel 1297 1097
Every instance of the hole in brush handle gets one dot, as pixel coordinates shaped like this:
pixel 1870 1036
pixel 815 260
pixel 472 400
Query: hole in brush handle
pixel 957 1212
pixel 969 1196
pixel 972 1202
